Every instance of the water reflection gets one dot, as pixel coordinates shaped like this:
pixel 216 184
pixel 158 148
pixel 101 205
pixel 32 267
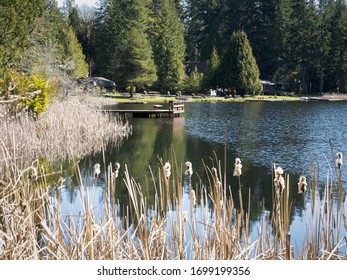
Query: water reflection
pixel 291 135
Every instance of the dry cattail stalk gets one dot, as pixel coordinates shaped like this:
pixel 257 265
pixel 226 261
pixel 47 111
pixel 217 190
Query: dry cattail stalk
pixel 339 160
pixel 193 197
pixel 238 167
pixel 215 177
pixel 302 184
pixel 189 169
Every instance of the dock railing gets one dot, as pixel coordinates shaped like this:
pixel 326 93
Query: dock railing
pixel 176 107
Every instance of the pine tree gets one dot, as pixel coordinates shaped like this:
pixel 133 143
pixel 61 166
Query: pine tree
pixel 302 43
pixel 124 53
pixel 17 21
pixel 168 46
pixel 194 82
pixel 212 65
pixel 336 63
pixel 238 68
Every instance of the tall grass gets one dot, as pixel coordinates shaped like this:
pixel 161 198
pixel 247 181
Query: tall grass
pixel 210 227
pixel 32 227
pixel 69 128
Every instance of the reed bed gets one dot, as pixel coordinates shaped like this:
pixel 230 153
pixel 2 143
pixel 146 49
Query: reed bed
pixel 70 128
pixel 212 227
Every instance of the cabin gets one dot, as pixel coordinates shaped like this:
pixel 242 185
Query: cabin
pixel 268 86
pixel 100 82
pixel 191 65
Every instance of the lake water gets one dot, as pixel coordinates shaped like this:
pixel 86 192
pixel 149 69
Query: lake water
pixel 293 135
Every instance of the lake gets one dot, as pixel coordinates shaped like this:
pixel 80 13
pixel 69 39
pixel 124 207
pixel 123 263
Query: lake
pixel 298 136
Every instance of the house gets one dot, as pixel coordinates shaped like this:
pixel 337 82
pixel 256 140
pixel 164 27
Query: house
pixel 268 86
pixel 190 66
pixel 100 82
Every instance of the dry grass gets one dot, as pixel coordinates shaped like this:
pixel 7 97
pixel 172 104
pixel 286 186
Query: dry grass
pixel 32 227
pixel 69 128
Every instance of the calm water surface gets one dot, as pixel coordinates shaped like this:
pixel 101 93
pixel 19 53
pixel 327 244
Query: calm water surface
pixel 293 135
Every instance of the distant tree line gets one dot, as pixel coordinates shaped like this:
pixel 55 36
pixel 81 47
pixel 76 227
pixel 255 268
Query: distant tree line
pixel 144 44
pixel 302 42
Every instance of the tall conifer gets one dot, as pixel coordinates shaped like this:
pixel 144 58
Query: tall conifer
pixel 238 68
pixel 168 45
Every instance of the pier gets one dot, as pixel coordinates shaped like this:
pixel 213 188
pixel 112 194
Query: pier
pixel 176 108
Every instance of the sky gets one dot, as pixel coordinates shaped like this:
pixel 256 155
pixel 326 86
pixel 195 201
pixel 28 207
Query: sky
pixel 80 2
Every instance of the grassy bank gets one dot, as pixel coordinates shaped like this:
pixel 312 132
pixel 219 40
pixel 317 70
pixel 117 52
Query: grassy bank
pixel 125 98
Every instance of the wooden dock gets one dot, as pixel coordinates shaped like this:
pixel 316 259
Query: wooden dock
pixel 176 108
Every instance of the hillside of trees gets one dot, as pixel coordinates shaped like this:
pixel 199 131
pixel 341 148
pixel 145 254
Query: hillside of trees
pixel 147 43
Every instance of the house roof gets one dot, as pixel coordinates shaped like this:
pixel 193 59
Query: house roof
pixel 190 66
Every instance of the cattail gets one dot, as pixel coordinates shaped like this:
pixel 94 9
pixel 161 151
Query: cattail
pixel 339 160
pixel 185 216
pixel 116 170
pixel 96 170
pixel 279 180
pixel 167 170
pixel 238 167
pixel 215 177
pixel 193 197
pixel 189 169
pixel 302 184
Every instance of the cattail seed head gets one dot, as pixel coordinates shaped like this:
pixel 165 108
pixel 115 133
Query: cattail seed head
pixel 279 182
pixel 96 170
pixel 302 185
pixel 189 168
pixel 167 170
pixel 339 160
pixel 238 167
pixel 116 169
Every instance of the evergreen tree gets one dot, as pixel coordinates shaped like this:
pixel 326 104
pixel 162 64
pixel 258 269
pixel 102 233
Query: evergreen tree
pixel 206 25
pixel 194 82
pixel 86 34
pixel 17 21
pixel 168 46
pixel 210 78
pixel 74 58
pixel 238 68
pixel 124 53
pixel 336 63
pixel 302 42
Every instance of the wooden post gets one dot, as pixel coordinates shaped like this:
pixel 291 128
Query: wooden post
pixel 288 253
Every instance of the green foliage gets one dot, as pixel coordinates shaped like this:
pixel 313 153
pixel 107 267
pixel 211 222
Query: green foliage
pixel 75 60
pixel 17 21
pixel 124 53
pixel 210 78
pixel 193 82
pixel 38 102
pixel 168 45
pixel 238 68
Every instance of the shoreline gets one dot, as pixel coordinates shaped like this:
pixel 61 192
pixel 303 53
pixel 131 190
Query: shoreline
pixel 124 98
